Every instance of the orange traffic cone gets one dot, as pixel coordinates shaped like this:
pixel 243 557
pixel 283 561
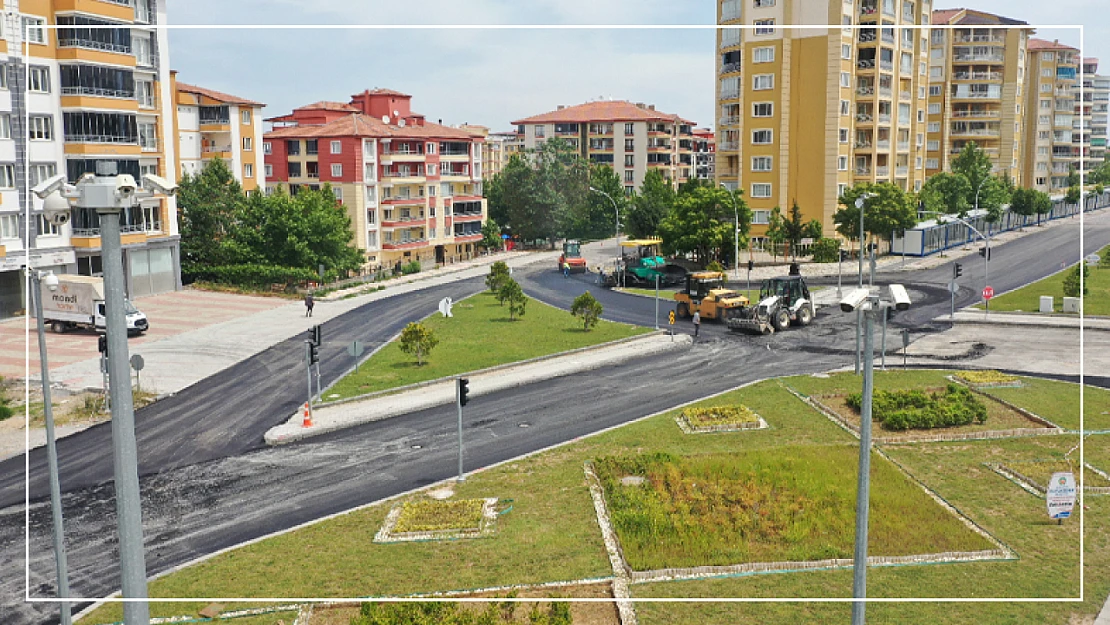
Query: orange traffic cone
pixel 307 416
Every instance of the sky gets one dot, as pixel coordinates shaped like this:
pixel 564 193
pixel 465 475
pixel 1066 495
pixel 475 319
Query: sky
pixel 490 76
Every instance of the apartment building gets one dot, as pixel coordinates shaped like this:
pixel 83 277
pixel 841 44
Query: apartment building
pixel 705 146
pixel 1052 139
pixel 500 146
pixel 212 125
pixel 803 113
pixel 413 188
pixel 629 137
pixel 96 100
pixel 977 79
pixel 1093 109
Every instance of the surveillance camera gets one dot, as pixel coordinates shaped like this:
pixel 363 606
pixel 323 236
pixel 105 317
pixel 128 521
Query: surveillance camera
pixel 160 184
pixel 48 186
pixel 125 185
pixel 854 299
pixel 900 296
pixel 56 209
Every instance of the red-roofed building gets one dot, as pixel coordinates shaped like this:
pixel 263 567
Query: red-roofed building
pixel 210 124
pixel 1053 143
pixel 705 152
pixel 413 188
pixel 630 138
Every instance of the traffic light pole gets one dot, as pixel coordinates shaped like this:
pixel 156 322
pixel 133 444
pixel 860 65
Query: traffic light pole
pixel 308 369
pixel 656 301
pixel 459 403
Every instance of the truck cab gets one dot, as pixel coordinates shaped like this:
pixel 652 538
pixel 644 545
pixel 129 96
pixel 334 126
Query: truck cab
pixel 134 318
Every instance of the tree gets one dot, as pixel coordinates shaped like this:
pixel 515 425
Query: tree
pixel 699 223
pixel 498 274
pixel 491 235
pixel 1101 174
pixel 814 230
pixel 776 231
pixel 418 340
pixel 1022 203
pixel 1042 204
pixel 209 204
pixel 493 189
pixel 986 191
pixel 511 292
pixel 1074 193
pixel 947 193
pixel 654 202
pixel 1071 281
pixel 594 217
pixel 586 307
pixel 889 212
pixel 794 229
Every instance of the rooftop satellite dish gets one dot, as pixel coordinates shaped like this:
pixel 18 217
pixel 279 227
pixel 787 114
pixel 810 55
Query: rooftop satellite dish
pixel 445 307
pixel 401 122
pixel 396 113
pixel 385 119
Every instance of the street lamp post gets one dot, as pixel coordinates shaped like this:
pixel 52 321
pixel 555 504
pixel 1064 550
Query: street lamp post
pixel 735 234
pixel 38 280
pixel 861 201
pixel 617 232
pixel 986 245
pixel 109 195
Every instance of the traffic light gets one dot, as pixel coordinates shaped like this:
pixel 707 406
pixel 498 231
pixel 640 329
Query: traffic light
pixel 751 265
pixel 464 390
pixel 102 344
pixel 957 270
pixel 313 353
pixel 314 335
pixel 985 253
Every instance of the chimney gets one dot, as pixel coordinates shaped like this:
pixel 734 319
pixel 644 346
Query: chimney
pixel 560 107
pixel 440 122
pixel 639 105
pixel 651 107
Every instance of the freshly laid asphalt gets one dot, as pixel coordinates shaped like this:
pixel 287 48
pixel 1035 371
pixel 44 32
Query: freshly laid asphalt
pixel 208 482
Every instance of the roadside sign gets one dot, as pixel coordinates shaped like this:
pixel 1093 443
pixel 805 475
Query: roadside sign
pixel 670 318
pixel 953 287
pixel 988 292
pixel 137 362
pixel 1060 495
pixel 1093 259
pixel 905 337
pixel 355 350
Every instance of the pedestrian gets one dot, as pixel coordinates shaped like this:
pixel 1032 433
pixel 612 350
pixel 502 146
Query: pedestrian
pixel 697 323
pixel 308 304
pixel 566 269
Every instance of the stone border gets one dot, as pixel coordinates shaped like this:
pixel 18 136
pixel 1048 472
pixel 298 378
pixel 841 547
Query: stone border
pixel 747 426
pixel 1029 485
pixel 486 527
pixel 1050 429
pixel 624 572
pixel 1025 413
pixel 621 572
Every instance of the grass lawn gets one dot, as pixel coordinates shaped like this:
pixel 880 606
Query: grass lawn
pixel 1027 298
pixel 479 335
pixel 1038 472
pixel 551 534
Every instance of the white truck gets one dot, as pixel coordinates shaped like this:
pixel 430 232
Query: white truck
pixel 78 302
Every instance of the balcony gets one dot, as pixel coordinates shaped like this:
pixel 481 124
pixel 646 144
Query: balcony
pixel 866 65
pixel 864 118
pixel 885 92
pixel 903 146
pixel 728 145
pixel 904 96
pixel 977 114
pixel 865 90
pixel 884 118
pixel 730 120
pixel 862 145
pixel 962 94
pixel 404 245
pixel 882 144
pixel 730 94
pixel 901 171
pixel 728 68
pixel 886 66
pixel 222 152
pixel 977 76
pixel 882 171
pixel 87 43
pixel 990 39
pixel 976 132
pixel 868 10
pixel 863 171
pixel 399 200
pixel 402 221
pixel 969 57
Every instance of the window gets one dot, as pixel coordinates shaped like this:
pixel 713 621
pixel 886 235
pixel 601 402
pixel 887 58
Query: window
pixel 629 175
pixel 627 129
pixel 38 79
pixel 842 163
pixel 761 189
pixel 934 127
pixel 932 163
pixel 763 55
pixel 1046 104
pixel 268 170
pixel 336 147
pixel 292 147
pixel 921 116
pixel 933 146
pixel 7 176
pixel 141 47
pixel 5 126
pixel 845 107
pixel 267 148
pixel 761 217
pixel 248 144
pixel 148 137
pixel 248 170
pixel 538 132
pixel 48 228
pixel 33 29
pixel 1046 87
pixel 935 90
pixel 764 23
pixel 3 75
pixel 762 137
pixel 41 128
pixel 1048 56
pixel 938 37
pixel 628 145
pixel 846 51
pixel 430 148
pixel 934 108
pixel 294 170
pixel 244 116
pixel 337 170
pixel 431 169
pixel 629 189
pixel 629 160
pixel 144 93
pixel 761 163
pixel 311 146
pixel 759 4
pixel 9 226
pixel 845 80
pixel 763 109
pixel 762 82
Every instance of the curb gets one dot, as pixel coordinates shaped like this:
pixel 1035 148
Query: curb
pixel 1028 321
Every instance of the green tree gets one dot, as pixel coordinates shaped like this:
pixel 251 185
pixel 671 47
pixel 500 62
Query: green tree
pixel 1022 203
pixel 511 292
pixel 776 231
pixel 814 230
pixel 587 308
pixel 1071 281
pixel 947 193
pixel 890 211
pixel 209 204
pixel 493 190
pixel 654 202
pixel 1042 204
pixel 699 223
pixel 498 275
pixel 1101 174
pixel 1074 193
pixel 491 235
pixel 795 229
pixel 516 209
pixel 594 217
pixel 418 340
pixel 985 190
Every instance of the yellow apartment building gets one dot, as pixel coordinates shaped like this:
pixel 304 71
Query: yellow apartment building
pixel 212 125
pixel 1052 141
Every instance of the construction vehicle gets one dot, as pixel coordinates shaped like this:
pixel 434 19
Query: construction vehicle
pixel 572 255
pixel 782 301
pixel 644 264
pixel 705 293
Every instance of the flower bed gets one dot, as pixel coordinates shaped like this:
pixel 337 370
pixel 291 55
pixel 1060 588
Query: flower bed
pixel 696 420
pixel 922 410
pixel 431 520
pixel 989 379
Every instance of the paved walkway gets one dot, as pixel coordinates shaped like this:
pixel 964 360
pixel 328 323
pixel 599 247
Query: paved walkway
pixel 347 414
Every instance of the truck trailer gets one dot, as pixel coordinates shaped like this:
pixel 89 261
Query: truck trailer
pixel 78 302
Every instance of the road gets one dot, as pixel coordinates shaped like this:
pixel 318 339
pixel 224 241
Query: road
pixel 208 483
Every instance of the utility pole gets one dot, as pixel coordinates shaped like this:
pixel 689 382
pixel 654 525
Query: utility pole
pixel 656 301
pixel 863 489
pixel 462 389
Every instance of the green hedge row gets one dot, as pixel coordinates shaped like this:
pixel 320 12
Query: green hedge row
pixel 918 410
pixel 249 275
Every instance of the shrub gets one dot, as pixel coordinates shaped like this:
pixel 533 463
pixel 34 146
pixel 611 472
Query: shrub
pixel 587 308
pixel 498 274
pixel 250 275
pixel 825 250
pixel 714 266
pixel 918 410
pixel 418 340
pixel 410 268
pixel 6 410
pixel 1071 281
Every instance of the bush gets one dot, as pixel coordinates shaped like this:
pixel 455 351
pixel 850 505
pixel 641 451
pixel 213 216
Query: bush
pixel 825 250
pixel 1071 281
pixel 715 266
pixel 587 308
pixel 410 267
pixel 918 410
pixel 498 275
pixel 250 275
pixel 418 340
pixel 6 410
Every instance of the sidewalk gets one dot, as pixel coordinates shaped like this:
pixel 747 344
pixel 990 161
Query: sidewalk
pixel 339 415
pixel 1042 320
